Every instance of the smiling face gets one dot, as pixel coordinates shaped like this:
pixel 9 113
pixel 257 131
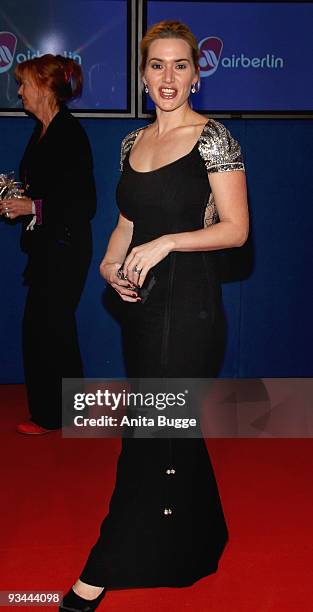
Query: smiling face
pixel 169 72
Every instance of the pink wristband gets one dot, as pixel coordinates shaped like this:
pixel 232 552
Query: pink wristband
pixel 38 207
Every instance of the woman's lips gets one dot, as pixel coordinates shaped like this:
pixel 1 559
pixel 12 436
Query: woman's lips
pixel 167 93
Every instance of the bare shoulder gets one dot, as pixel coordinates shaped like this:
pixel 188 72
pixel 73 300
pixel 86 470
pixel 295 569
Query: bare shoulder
pixel 130 138
pixel 193 128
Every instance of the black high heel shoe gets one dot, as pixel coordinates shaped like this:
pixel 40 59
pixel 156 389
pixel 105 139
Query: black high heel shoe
pixel 72 602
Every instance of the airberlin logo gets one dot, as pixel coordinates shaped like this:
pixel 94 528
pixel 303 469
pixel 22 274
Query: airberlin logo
pixel 210 58
pixel 210 53
pixel 8 44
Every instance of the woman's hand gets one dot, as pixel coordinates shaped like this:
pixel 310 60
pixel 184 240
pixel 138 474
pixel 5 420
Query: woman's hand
pixel 16 207
pixel 143 257
pixel 124 288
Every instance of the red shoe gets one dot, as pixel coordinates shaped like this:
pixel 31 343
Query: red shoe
pixel 28 427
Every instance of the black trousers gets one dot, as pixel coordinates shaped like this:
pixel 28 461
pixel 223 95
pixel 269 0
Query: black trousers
pixel 50 347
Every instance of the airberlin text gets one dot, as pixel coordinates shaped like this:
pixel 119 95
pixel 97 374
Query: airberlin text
pixel 242 61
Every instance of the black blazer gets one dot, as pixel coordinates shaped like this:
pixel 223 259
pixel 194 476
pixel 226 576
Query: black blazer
pixel 58 170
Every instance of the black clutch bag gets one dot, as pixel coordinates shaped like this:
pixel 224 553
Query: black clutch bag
pixel 144 291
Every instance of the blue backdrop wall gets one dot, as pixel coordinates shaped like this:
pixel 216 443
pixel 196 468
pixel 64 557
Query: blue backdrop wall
pixel 267 289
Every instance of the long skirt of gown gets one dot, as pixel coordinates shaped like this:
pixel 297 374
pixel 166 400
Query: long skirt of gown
pixel 139 545
pixel 175 333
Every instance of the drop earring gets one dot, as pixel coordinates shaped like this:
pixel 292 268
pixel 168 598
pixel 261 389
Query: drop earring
pixel 195 87
pixel 146 88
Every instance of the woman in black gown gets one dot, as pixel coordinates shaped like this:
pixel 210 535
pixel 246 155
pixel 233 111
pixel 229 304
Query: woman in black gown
pixel 56 210
pixel 180 175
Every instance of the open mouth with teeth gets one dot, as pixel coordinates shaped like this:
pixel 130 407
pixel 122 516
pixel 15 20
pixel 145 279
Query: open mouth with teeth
pixel 168 93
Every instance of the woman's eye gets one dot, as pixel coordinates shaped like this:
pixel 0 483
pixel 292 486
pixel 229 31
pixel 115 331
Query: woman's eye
pixel 156 66
pixel 181 66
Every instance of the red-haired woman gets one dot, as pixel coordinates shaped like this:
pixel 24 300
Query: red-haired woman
pixel 182 196
pixel 58 204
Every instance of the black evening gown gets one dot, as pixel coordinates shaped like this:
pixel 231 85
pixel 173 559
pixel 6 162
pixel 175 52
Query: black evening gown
pixel 175 333
pixel 58 170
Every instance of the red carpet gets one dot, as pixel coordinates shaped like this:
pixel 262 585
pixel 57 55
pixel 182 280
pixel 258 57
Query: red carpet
pixel 55 493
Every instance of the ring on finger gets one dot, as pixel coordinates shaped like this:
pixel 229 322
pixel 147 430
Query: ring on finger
pixel 121 274
pixel 138 270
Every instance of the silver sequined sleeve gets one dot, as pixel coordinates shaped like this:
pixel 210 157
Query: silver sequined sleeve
pixel 127 144
pixel 218 149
